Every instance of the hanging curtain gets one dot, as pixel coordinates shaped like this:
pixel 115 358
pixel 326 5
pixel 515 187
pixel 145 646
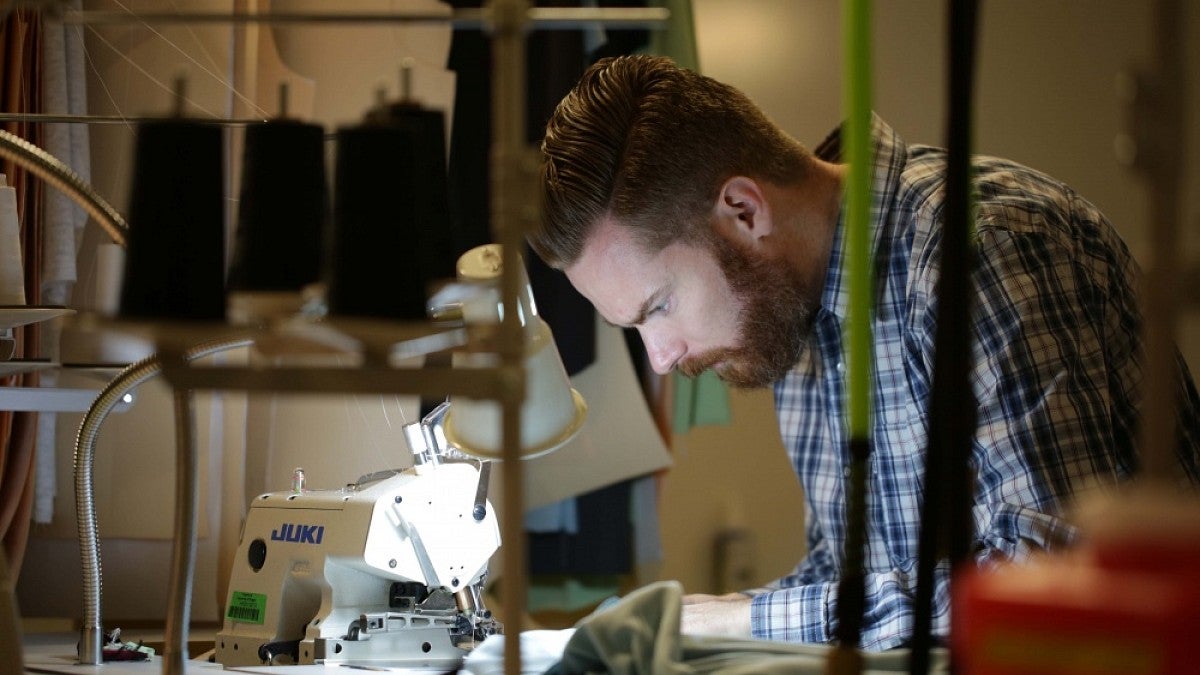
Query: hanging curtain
pixel 20 34
pixel 61 221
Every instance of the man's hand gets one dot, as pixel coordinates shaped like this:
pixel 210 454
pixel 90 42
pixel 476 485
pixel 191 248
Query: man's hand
pixel 727 615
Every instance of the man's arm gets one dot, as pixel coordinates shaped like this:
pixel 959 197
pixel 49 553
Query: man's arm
pixel 727 615
pixel 1056 328
pixel 730 614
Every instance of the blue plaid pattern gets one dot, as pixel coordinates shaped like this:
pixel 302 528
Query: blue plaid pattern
pixel 1055 376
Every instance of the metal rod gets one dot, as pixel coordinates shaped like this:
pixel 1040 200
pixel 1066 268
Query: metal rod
pixel 50 118
pixel 481 383
pixel 946 525
pixel 183 558
pixel 846 659
pixel 509 204
pixel 477 19
pixel 1158 119
pixel 549 18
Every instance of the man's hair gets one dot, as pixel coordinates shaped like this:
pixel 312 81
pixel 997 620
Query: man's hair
pixel 650 144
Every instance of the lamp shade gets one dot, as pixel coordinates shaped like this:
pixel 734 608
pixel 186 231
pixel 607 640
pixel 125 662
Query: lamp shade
pixel 552 412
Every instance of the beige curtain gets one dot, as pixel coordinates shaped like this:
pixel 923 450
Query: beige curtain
pixel 20 33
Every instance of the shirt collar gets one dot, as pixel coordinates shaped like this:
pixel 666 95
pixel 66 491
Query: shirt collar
pixel 889 154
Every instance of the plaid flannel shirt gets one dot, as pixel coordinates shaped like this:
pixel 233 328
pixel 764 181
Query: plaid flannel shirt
pixel 1055 331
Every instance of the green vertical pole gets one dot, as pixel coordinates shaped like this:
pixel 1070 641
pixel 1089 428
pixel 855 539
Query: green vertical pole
pixel 856 142
pixel 857 150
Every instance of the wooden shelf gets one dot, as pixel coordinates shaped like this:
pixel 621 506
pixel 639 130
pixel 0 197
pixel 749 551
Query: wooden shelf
pixel 12 316
pixel 46 399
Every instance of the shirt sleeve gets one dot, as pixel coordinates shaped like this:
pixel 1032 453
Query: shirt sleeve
pixel 1055 377
pixel 802 606
pixel 793 607
pixel 808 613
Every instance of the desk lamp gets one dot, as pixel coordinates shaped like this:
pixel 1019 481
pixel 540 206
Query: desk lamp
pixel 552 412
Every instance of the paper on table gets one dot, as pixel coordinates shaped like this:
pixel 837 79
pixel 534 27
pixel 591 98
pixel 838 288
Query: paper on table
pixel 540 649
pixel 12 271
pixel 110 266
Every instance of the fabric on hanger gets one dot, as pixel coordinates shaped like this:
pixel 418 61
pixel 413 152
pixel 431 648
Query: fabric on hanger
pixel 698 401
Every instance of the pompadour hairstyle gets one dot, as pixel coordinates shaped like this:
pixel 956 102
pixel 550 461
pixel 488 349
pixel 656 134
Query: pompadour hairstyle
pixel 650 144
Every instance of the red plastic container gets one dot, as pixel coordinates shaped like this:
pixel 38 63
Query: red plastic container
pixel 1127 603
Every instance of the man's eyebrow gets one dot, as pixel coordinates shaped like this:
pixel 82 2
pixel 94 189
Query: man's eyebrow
pixel 647 306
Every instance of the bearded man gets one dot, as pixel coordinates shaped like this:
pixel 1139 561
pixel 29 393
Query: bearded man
pixel 678 208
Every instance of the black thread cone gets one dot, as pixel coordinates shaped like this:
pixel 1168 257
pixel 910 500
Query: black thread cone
pixel 391 232
pixel 175 260
pixel 282 208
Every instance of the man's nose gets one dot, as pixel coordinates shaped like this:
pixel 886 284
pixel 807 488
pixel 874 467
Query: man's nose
pixel 664 351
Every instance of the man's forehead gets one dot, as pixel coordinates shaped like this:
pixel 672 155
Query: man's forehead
pixel 614 271
pixel 610 245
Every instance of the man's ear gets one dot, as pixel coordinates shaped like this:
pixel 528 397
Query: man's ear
pixel 742 210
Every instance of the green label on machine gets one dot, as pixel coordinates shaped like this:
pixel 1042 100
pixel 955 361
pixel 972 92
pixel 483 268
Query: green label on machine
pixel 247 607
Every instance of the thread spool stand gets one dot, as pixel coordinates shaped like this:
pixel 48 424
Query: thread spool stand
pixel 513 171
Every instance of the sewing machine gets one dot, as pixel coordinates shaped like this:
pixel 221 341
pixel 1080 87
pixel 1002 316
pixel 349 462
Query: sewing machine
pixel 390 570
pixel 387 571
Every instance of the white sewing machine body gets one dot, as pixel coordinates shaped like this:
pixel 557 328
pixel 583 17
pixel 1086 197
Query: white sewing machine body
pixel 388 570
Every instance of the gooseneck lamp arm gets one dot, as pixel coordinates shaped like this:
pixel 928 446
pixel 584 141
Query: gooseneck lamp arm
pixel 58 175
pixel 92 633
pixel 47 167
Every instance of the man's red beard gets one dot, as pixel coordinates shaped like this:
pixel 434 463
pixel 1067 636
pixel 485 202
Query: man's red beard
pixel 777 307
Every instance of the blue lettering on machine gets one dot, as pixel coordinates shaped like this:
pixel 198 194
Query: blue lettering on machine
pixel 298 533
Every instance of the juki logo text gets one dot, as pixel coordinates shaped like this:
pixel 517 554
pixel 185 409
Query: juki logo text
pixel 298 533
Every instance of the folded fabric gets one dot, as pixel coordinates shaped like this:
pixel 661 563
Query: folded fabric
pixel 640 634
pixel 540 649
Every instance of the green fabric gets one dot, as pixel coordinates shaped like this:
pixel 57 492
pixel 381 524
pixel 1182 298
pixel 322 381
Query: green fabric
pixel 678 39
pixel 640 635
pixel 698 401
pixel 569 594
